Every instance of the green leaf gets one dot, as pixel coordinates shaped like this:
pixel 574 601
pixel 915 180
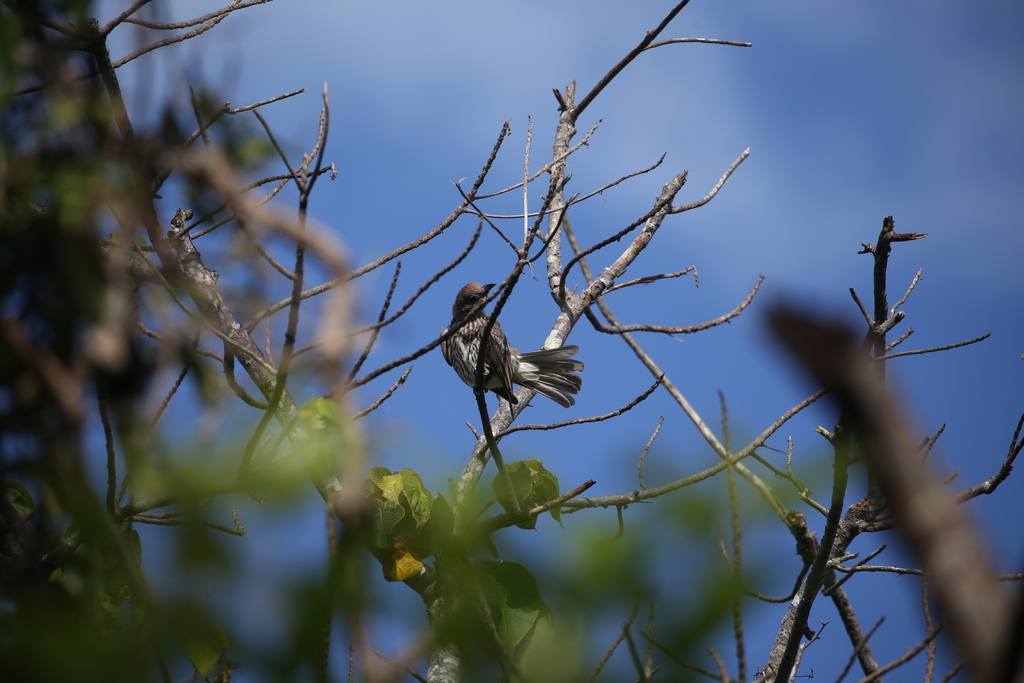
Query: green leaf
pixel 320 451
pixel 205 645
pixel 111 618
pixel 495 595
pixel 547 485
pixel 549 488
pixel 489 546
pixel 411 478
pixel 321 413
pixel 520 479
pixel 522 604
pixel 516 624
pixel 417 497
pixel 115 574
pixel 18 497
pixel 517 580
pixel 436 534
pixel 533 485
pixel 391 486
pixel 539 643
pixel 374 476
pixel 386 514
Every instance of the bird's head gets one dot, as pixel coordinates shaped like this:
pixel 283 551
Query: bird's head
pixel 468 298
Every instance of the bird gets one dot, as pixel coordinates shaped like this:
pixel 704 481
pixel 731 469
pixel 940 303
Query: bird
pixel 549 371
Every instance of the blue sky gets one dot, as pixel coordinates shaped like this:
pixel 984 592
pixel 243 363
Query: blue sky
pixel 852 111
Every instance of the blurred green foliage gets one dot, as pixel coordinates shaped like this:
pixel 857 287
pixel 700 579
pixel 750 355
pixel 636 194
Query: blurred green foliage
pixel 77 600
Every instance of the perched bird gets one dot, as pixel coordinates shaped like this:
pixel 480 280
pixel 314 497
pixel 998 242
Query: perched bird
pixel 548 371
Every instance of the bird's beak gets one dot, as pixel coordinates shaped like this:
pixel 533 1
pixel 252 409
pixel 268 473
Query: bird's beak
pixel 488 288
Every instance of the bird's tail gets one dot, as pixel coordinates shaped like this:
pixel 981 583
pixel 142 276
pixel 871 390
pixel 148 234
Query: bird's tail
pixel 550 372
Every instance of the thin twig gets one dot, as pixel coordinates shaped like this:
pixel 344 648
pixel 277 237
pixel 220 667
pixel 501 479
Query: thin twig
pixel 992 483
pixel 108 440
pixel 787 598
pixel 902 338
pixel 376 330
pixel 403 667
pixel 615 644
pixel 235 5
pixel 929 662
pixel 238 530
pixel 359 272
pixel 686 665
pixel 624 62
pixel 954 671
pixel 718 186
pixel 646 450
pixel 688 329
pixel 907 656
pixel 648 279
pixel 507 519
pixel 584 420
pixel 834 587
pixel 712 41
pixel 387 394
pixel 933 349
pixel 167 399
pixel 857 648
pixel 906 295
pixel 736 563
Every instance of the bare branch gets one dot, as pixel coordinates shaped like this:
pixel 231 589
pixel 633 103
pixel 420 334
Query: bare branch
pixel 376 330
pixel 993 482
pixel 576 200
pixel 387 394
pixel 856 649
pixel 902 338
pixel 711 41
pixel 646 450
pixel 835 564
pixel 907 656
pixel 954 671
pixel 175 39
pixel 624 62
pixel 615 644
pixel 906 295
pixel 546 168
pixel 63 383
pixel 426 285
pixel 675 658
pixel 929 662
pixel 238 530
pixel 718 186
pixel 201 351
pixel 933 349
pixel 863 309
pixel 935 528
pixel 363 270
pixel 648 279
pixel 660 207
pixel 787 598
pixel 583 420
pixel 399 665
pixel 235 5
pixel 736 563
pixel 688 329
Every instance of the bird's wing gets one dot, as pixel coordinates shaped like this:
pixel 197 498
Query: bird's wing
pixel 444 347
pixel 499 357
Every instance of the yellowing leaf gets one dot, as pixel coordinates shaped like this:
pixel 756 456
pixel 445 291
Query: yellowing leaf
pixel 402 566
